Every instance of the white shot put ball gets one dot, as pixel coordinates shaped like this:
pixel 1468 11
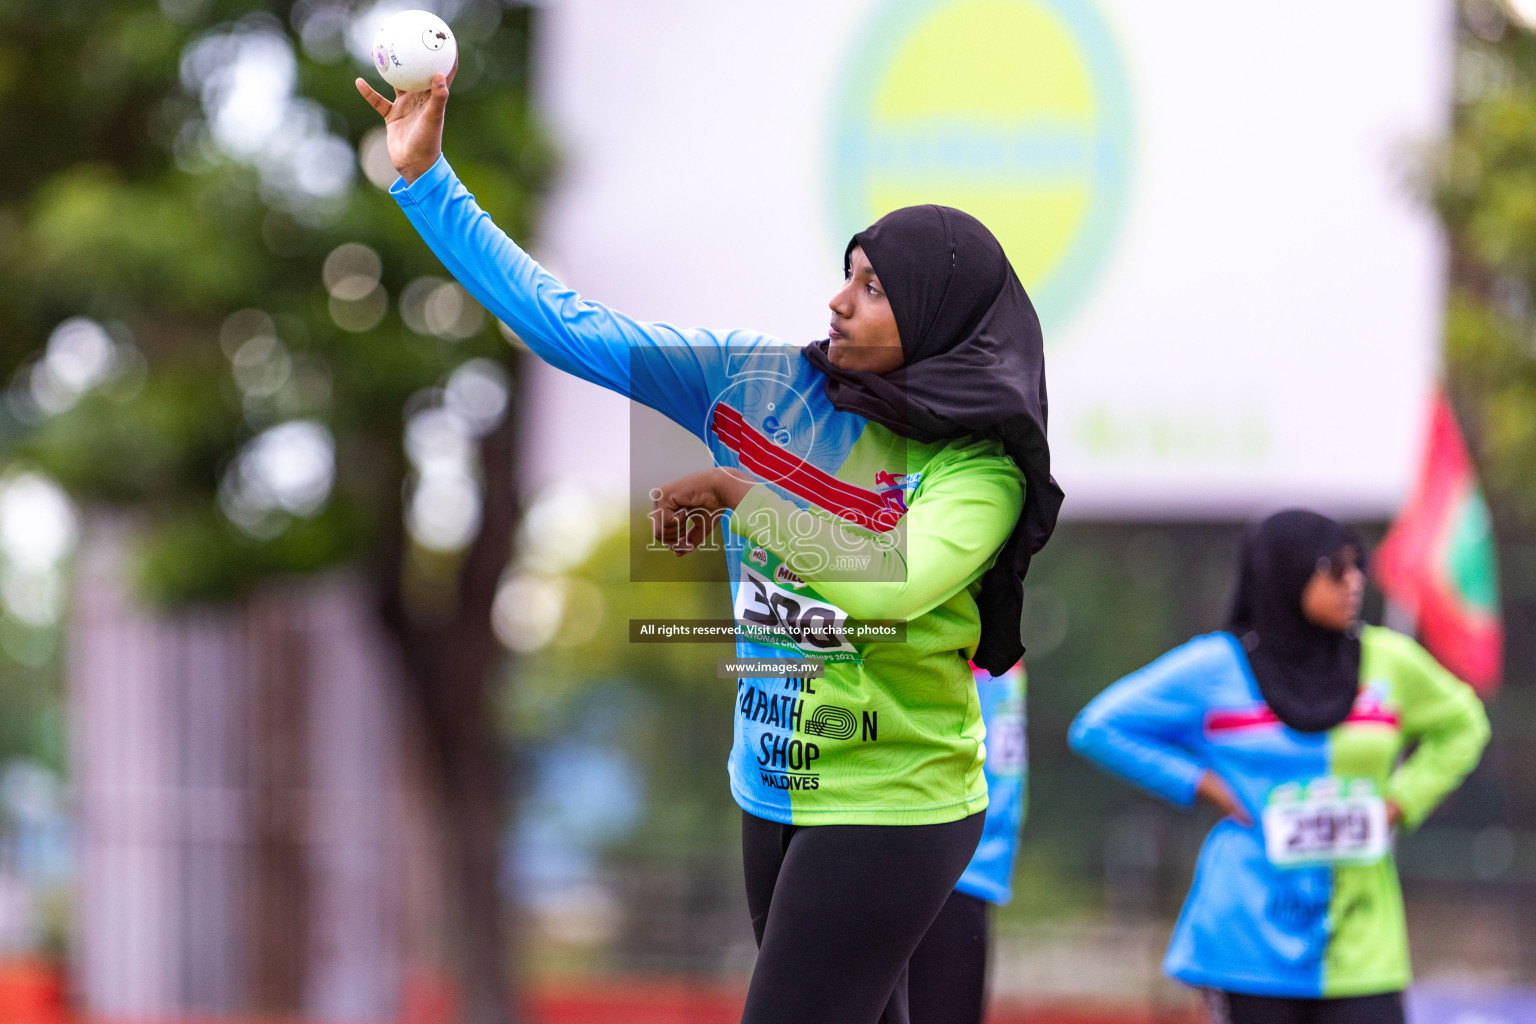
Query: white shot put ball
pixel 411 47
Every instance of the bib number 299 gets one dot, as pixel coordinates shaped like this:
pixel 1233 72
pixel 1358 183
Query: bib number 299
pixel 1329 822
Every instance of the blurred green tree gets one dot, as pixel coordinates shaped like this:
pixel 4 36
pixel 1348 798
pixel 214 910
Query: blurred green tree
pixel 1484 189
pixel 215 319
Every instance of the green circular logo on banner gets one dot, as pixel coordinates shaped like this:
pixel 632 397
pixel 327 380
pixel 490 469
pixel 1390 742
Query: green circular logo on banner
pixel 1015 111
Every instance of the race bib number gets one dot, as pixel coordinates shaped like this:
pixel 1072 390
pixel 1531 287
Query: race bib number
pixel 1326 821
pixel 788 617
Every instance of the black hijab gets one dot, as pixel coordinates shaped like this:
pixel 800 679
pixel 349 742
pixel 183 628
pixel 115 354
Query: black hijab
pixel 974 365
pixel 1309 675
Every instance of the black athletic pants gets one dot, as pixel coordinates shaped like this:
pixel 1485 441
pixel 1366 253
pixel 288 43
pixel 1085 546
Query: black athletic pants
pixel 1233 1008
pixel 947 976
pixel 839 909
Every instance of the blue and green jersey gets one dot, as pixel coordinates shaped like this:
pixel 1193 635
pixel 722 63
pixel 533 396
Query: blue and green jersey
pixel 852 524
pixel 1304 902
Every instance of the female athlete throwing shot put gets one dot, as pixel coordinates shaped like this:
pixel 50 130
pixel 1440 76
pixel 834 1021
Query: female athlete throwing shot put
pixel 897 471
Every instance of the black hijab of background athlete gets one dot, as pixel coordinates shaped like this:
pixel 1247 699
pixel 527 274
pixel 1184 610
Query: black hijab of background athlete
pixel 1308 675
pixel 974 365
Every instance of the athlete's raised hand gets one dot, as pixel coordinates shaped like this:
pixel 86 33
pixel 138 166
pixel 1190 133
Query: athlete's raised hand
pixel 413 123
pixel 685 511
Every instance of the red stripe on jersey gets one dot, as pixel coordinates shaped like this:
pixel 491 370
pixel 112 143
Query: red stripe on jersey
pixel 1230 721
pixel 859 506
pixel 1262 717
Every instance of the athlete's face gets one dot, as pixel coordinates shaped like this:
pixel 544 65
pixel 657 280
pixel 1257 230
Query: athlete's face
pixel 1332 597
pixel 863 331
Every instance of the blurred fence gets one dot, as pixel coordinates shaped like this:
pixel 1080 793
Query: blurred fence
pixel 249 838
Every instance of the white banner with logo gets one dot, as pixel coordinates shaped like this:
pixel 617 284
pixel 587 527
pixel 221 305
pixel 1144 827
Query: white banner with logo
pixel 1210 204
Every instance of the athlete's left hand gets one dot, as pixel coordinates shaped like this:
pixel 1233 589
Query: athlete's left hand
pixel 1394 814
pixel 685 511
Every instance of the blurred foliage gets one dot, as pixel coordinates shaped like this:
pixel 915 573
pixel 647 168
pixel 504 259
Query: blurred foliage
pixel 1485 193
pixel 1483 187
pixel 121 207
pixel 217 325
pixel 662 839
pixel 676 726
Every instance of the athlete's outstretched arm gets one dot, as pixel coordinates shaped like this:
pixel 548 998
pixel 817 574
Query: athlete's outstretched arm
pixel 675 371
pixel 1142 727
